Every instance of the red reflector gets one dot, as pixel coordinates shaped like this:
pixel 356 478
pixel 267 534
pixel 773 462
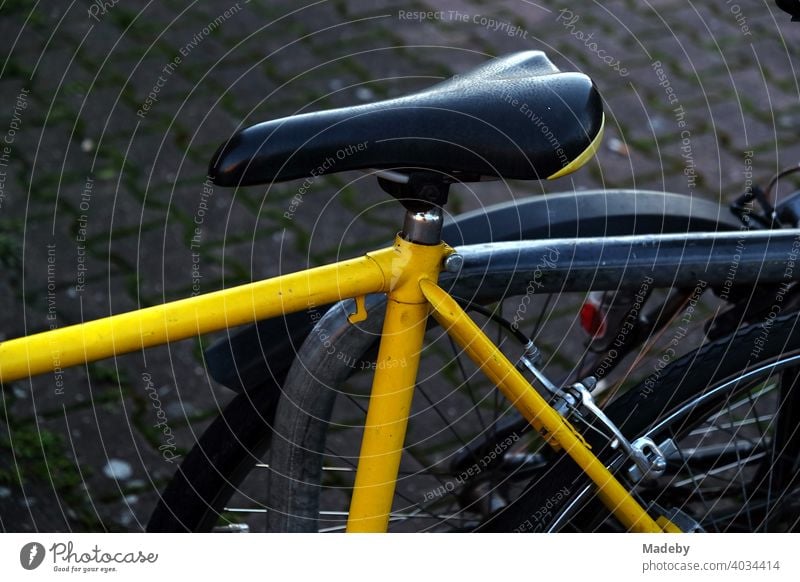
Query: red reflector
pixel 593 320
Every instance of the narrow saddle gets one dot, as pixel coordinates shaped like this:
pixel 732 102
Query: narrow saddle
pixel 517 117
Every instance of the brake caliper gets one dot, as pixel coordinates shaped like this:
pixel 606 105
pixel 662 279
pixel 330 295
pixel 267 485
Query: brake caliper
pixel 649 460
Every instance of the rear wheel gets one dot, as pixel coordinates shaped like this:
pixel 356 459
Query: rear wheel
pixel 731 411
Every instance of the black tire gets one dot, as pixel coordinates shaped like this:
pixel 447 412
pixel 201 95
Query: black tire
pixel 701 385
pixel 216 465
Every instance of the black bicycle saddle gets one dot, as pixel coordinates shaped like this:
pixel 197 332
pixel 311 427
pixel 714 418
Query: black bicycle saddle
pixel 517 116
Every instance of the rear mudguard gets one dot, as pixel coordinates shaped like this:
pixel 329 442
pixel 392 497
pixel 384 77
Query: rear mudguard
pixel 260 355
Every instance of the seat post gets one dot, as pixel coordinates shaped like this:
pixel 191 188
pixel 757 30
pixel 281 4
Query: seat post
pixel 423 227
pixel 423 194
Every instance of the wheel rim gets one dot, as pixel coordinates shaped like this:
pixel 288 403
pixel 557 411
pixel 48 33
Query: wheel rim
pixel 719 474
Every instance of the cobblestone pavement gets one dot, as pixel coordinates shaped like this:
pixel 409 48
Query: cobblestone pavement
pixel 110 114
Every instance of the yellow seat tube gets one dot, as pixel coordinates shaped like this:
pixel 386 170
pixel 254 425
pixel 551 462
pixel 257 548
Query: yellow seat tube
pixel 393 384
pixel 535 408
pixel 387 416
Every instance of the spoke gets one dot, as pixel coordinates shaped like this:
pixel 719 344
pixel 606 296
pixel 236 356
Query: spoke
pixel 333 529
pixel 732 424
pixel 763 433
pixel 765 390
pixel 737 465
pixel 394 516
pixel 747 450
pixel 715 472
pixel 353 470
pixel 422 462
pixel 714 451
pixel 398 517
pixel 786 437
pixel 324 468
pixel 769 482
pixel 397 493
pixel 756 417
pixel 740 473
pixel 732 514
pixel 426 462
pixel 447 423
pixel 538 324
pixel 684 463
pixel 467 383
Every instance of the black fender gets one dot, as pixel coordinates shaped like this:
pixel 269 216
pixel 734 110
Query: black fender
pixel 260 355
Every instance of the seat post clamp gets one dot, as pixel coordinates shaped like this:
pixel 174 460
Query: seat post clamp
pixel 421 191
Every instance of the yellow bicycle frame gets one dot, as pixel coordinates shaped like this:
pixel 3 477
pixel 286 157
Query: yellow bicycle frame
pixel 407 273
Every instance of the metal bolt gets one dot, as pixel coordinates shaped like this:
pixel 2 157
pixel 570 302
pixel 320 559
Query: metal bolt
pixel 453 263
pixel 590 383
pixel 659 466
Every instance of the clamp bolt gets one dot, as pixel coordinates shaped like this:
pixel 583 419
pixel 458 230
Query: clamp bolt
pixel 453 263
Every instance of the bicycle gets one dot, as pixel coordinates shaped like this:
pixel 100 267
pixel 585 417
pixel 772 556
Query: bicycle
pixel 514 483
